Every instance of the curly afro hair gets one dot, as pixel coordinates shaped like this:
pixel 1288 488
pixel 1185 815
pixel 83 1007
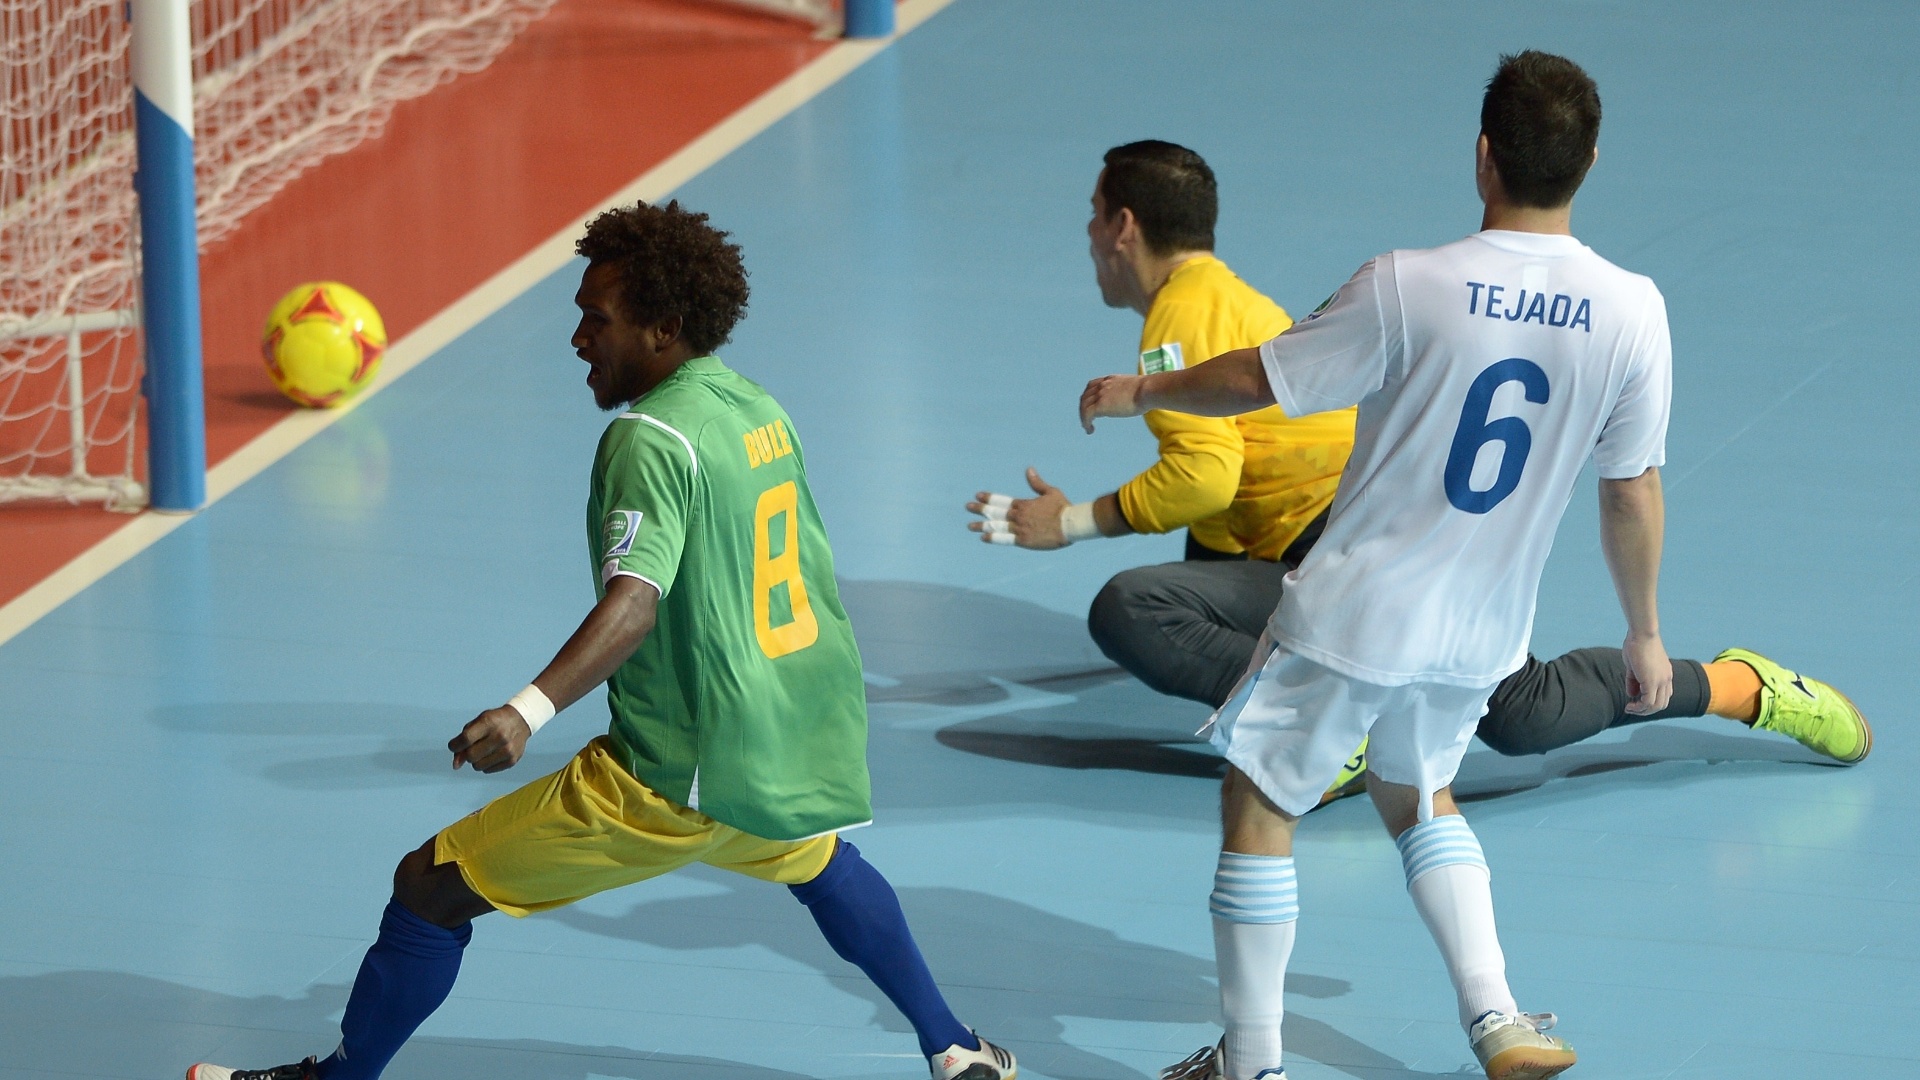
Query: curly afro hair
pixel 671 262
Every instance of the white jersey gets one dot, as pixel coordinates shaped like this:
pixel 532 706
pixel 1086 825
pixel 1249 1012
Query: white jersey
pixel 1486 371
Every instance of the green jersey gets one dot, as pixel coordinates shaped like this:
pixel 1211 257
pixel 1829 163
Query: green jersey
pixel 746 701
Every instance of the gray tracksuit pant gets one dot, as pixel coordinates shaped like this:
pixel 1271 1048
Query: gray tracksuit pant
pixel 1189 628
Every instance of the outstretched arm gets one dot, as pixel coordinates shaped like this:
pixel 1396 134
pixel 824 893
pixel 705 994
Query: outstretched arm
pixel 1632 526
pixel 1042 522
pixel 609 634
pixel 1227 385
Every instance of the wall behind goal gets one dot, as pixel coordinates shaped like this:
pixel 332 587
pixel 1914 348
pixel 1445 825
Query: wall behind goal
pixel 278 85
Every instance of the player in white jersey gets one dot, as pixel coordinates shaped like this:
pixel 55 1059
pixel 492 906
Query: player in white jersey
pixel 1486 372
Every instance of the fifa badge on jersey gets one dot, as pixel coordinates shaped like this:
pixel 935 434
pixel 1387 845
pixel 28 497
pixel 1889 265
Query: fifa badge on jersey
pixel 1315 313
pixel 1165 358
pixel 622 525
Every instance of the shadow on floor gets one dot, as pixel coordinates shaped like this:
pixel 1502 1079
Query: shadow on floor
pixel 1013 971
pixel 112 1024
pixel 1122 753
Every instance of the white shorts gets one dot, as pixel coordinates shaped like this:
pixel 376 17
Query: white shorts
pixel 1292 723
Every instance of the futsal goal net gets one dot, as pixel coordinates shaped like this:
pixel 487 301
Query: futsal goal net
pixel 276 86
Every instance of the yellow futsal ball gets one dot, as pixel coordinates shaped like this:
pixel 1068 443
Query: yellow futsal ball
pixel 323 343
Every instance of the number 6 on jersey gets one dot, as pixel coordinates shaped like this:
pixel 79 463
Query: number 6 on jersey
pixel 1476 430
pixel 770 572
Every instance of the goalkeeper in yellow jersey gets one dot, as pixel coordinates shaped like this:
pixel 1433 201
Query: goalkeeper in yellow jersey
pixel 1252 491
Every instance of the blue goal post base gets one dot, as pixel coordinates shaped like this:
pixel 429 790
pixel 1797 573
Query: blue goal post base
pixel 869 19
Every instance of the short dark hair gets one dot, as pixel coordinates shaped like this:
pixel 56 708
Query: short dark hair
pixel 1541 117
pixel 671 262
pixel 1169 189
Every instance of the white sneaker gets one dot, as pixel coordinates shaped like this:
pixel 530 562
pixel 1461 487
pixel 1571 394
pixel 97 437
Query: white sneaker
pixel 1210 1063
pixel 1510 1046
pixel 990 1062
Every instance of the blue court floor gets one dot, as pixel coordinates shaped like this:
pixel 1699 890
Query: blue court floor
pixel 214 757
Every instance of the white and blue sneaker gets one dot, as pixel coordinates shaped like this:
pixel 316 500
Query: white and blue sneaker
pixel 990 1062
pixel 1512 1046
pixel 1209 1063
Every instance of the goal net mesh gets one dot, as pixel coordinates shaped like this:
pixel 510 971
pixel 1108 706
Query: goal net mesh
pixel 278 85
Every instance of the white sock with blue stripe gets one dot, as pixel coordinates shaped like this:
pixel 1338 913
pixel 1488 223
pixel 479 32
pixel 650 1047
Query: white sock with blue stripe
pixel 1452 889
pixel 1254 903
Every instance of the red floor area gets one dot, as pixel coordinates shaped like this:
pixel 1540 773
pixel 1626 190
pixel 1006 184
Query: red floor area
pixel 463 182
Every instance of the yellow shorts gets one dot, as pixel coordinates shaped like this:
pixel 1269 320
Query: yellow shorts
pixel 592 827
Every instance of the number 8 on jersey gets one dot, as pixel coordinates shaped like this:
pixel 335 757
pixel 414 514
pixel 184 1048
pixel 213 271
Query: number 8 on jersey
pixel 777 576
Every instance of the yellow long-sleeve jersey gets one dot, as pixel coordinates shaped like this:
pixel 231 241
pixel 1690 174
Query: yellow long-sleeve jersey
pixel 1247 483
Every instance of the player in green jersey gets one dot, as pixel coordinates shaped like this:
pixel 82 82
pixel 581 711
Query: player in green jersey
pixel 739 714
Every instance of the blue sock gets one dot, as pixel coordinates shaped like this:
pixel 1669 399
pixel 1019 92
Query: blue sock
pixel 407 974
pixel 861 918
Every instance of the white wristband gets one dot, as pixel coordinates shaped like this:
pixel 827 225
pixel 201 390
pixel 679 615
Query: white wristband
pixel 1076 522
pixel 533 707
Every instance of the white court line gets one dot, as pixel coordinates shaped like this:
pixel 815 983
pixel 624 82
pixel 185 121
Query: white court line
pixel 464 314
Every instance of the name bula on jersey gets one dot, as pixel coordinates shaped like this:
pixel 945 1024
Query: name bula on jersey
pixel 1559 310
pixel 766 443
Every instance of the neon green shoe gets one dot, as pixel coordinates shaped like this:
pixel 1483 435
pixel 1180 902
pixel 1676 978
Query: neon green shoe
pixel 1807 710
pixel 1352 779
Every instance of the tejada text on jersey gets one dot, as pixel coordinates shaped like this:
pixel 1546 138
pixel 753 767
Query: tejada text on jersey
pixel 1557 310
